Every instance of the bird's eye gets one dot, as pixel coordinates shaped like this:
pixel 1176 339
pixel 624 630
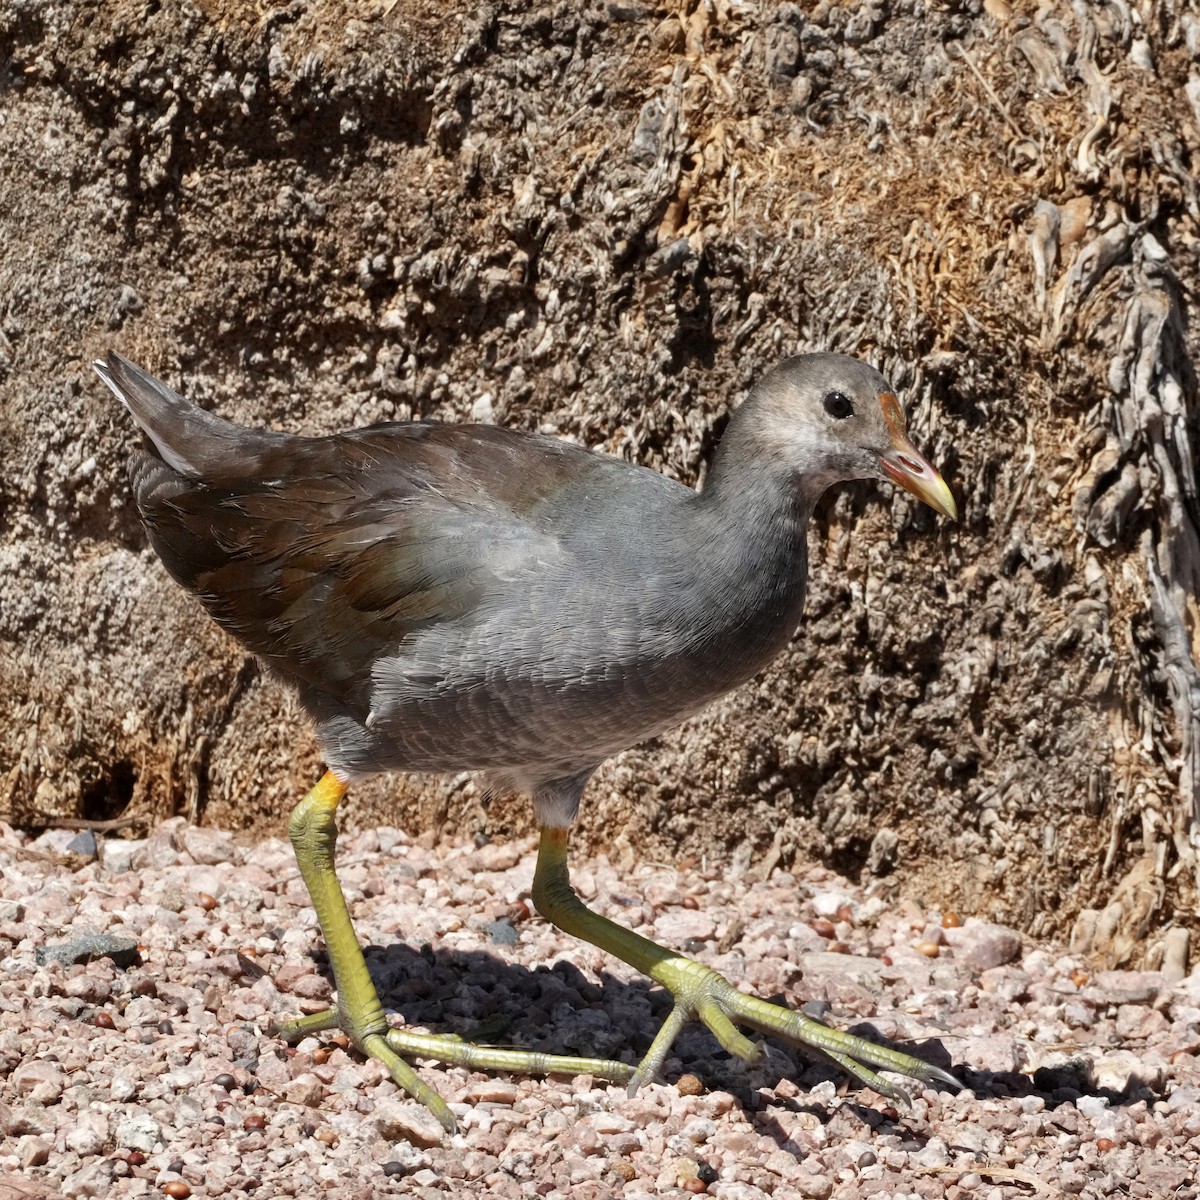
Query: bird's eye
pixel 838 406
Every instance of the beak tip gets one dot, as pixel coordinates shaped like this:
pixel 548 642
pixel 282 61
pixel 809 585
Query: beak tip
pixel 939 497
pixel 915 475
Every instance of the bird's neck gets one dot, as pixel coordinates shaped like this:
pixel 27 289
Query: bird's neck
pixel 754 557
pixel 756 488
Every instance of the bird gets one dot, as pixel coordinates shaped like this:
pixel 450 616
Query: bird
pixel 472 598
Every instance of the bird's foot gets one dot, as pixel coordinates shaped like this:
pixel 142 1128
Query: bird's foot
pixel 701 994
pixel 369 1032
pixel 704 995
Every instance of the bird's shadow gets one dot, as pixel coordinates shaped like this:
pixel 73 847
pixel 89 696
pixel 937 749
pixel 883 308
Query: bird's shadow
pixel 484 998
pixel 1061 1084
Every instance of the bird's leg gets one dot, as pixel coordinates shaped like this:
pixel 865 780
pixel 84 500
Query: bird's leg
pixel 359 1013
pixel 704 995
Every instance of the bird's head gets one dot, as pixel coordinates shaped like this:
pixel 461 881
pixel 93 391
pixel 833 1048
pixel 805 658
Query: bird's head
pixel 829 417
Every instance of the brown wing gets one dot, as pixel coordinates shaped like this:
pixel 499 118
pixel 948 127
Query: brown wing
pixel 349 543
pixel 323 554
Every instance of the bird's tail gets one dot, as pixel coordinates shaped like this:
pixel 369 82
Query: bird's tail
pixel 196 443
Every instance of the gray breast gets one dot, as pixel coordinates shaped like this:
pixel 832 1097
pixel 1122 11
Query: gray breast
pixel 573 663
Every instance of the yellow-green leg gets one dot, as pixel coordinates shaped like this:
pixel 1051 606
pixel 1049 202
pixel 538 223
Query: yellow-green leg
pixel 359 1013
pixel 703 994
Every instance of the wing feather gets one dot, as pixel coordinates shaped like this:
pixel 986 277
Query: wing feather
pixel 324 554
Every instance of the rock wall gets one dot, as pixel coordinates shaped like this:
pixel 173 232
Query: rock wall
pixel 605 220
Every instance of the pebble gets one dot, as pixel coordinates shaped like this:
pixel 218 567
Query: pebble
pixel 828 904
pixel 1115 1071
pixel 90 1133
pixel 39 1081
pixel 678 927
pixel 93 1180
pixel 608 1123
pixel 1126 987
pixel 859 1154
pixel 813 1187
pixel 985 944
pixel 119 854
pixel 86 946
pixel 305 1089
pixel 1185 1098
pixel 32 1151
pixel 207 847
pixel 492 1091
pixel 405 1120
pixel 138 1131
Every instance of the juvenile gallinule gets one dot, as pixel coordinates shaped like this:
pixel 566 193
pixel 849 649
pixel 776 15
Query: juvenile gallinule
pixel 469 598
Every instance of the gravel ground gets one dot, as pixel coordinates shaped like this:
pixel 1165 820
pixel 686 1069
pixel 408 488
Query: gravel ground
pixel 152 1071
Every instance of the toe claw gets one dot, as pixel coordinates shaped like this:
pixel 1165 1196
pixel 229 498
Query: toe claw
pixel 936 1074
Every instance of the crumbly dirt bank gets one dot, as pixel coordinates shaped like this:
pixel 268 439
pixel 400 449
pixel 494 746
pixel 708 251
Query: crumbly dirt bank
pixel 605 219
pixel 153 1072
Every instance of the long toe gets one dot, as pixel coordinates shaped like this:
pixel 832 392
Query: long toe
pixel 457 1052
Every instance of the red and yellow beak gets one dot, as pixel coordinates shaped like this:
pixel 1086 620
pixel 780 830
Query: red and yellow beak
pixel 906 465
